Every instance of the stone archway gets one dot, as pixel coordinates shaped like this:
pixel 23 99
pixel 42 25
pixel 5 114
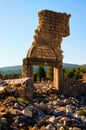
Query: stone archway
pixel 44 51
pixel 46 47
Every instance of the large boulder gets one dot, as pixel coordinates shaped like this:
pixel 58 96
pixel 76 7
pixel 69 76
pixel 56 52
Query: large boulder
pixel 24 86
pixel 2 90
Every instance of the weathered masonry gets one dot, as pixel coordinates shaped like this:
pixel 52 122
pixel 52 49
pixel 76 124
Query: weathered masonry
pixel 46 47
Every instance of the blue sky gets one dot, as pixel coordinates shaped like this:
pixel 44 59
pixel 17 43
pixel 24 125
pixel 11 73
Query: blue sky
pixel 19 19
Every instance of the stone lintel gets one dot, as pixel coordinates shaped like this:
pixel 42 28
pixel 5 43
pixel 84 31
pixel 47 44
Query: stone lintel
pixel 43 62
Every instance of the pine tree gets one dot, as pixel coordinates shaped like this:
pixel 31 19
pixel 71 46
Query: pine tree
pixel 40 73
pixel 49 73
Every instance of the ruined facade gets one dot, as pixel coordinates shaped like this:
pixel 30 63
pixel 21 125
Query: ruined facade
pixel 46 47
pixel 73 87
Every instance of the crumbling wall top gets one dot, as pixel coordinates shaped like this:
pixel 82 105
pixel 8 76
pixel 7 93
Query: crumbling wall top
pixel 52 13
pixel 55 22
pixel 52 26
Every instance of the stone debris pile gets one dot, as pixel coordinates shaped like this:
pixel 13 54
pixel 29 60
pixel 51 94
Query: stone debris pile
pixel 23 87
pixel 48 111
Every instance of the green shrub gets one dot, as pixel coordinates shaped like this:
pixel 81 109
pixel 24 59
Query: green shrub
pixel 82 112
pixel 20 99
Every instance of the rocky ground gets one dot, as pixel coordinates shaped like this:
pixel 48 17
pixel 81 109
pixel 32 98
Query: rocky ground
pixel 48 111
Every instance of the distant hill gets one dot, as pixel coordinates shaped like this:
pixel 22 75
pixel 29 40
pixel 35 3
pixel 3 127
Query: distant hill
pixel 11 69
pixel 18 69
pixel 66 65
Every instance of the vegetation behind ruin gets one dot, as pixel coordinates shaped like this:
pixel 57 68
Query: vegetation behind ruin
pixel 46 73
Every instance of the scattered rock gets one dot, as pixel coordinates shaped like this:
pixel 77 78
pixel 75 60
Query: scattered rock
pixel 48 111
pixel 27 112
pixel 10 89
pixel 2 90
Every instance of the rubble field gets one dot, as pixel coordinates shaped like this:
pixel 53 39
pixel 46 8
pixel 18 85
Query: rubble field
pixel 48 110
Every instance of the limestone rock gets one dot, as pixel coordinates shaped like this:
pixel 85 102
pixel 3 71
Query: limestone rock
pixel 50 127
pixel 16 105
pixel 42 106
pixel 10 89
pixel 27 112
pixel 55 114
pixel 69 111
pixel 2 90
pixel 52 119
pixel 14 111
pixel 24 86
pixel 21 92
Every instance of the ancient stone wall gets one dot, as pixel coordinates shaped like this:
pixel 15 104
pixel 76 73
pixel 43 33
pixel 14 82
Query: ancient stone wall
pixel 73 87
pixel 46 47
pixel 51 28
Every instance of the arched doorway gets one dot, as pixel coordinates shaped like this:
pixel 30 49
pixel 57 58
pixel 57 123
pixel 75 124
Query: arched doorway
pixel 44 55
pixel 46 47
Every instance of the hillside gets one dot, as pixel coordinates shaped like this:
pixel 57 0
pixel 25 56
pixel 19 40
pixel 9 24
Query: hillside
pixel 18 69
pixel 11 69
pixel 67 65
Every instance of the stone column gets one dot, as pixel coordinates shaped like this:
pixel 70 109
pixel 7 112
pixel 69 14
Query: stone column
pixel 27 69
pixel 58 75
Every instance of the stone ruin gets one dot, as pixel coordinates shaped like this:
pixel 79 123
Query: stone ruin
pixel 46 47
pixel 22 87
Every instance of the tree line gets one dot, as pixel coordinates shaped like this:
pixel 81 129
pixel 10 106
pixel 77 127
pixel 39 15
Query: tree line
pixel 9 76
pixel 74 73
pixel 42 74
